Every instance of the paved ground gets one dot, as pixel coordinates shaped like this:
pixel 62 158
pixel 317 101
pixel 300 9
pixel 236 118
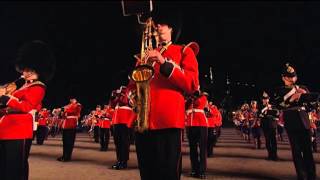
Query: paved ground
pixel 234 159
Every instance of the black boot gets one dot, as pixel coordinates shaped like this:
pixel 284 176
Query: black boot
pixel 123 165
pixel 259 143
pixel 103 149
pixel 120 165
pixel 63 159
pixel 202 175
pixel 116 165
pixel 194 174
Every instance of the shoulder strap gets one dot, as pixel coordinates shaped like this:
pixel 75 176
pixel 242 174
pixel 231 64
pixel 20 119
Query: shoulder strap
pixel 194 46
pixel 37 83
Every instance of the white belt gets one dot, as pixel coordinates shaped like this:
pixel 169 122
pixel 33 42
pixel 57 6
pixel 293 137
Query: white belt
pixel 302 108
pixel 194 110
pixel 123 107
pixel 34 123
pixel 72 117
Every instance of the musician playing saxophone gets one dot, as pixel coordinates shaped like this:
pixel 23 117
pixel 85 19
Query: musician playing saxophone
pixel 175 74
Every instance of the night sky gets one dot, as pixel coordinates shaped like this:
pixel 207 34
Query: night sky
pixel 94 45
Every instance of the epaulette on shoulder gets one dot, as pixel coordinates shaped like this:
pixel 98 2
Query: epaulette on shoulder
pixel 194 46
pixel 37 83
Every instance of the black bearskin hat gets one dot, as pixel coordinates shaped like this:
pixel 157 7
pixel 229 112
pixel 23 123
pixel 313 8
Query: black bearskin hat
pixel 36 55
pixel 288 71
pixel 171 16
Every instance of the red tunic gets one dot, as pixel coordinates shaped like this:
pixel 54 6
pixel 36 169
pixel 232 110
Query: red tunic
pixel 123 114
pixel 313 116
pixel 218 116
pixel 43 117
pixel 98 117
pixel 195 112
pixel 72 114
pixel 25 102
pixel 167 92
pixel 106 118
pixel 214 117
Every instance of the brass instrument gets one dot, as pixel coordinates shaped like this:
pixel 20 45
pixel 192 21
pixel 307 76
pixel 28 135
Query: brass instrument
pixel 143 73
pixel 10 87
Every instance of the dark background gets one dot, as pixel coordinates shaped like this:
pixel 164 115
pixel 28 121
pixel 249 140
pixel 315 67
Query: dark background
pixel 94 45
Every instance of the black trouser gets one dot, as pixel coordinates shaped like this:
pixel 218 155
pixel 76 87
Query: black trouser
pixel 41 134
pixel 121 140
pixel 14 159
pixel 159 154
pixel 256 133
pixel 68 138
pixel 218 129
pixel 280 132
pixel 28 149
pixel 104 138
pixel 198 136
pixel 300 143
pixel 131 135
pixel 96 134
pixel 271 141
pixel 314 142
pixel 53 130
pixel 111 130
pixel 212 138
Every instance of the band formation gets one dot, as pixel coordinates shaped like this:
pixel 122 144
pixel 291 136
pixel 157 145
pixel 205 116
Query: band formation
pixel 162 103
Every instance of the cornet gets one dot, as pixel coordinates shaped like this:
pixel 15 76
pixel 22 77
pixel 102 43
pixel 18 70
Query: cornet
pixel 9 88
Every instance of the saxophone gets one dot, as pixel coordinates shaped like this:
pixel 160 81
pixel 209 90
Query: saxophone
pixel 143 73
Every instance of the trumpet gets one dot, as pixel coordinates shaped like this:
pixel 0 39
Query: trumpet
pixel 10 87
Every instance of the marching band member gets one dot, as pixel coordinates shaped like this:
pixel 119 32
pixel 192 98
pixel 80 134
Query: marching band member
pixel 280 127
pixel 197 132
pixel 96 129
pixel 56 118
pixel 42 125
pixel 71 115
pixel 214 123
pixel 218 125
pixel 90 122
pixel 269 118
pixel 313 116
pixel 105 127
pixel 255 125
pixel 122 120
pixel 296 123
pixel 36 63
pixel 210 114
pixel 176 72
pixel 245 123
